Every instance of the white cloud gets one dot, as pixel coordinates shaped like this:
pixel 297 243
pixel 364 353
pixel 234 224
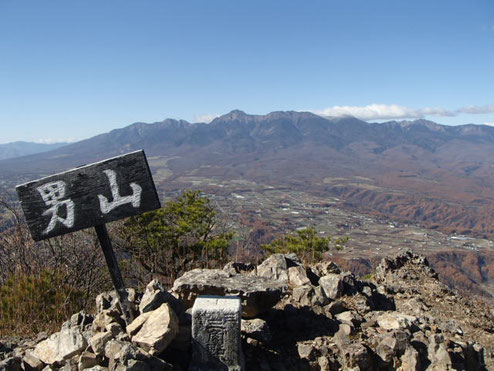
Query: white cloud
pixel 489 123
pixel 55 140
pixel 207 118
pixel 477 109
pixel 383 111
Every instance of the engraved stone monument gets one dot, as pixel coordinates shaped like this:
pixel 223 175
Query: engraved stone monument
pixel 216 343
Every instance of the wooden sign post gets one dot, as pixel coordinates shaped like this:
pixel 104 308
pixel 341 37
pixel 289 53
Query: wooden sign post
pixel 88 196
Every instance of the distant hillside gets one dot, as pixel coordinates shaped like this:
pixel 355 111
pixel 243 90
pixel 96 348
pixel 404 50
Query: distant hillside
pixel 18 149
pixel 420 171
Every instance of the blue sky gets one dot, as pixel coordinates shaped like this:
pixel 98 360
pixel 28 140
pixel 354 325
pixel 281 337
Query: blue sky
pixel 74 69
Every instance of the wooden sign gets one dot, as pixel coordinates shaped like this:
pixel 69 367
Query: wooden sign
pixel 88 196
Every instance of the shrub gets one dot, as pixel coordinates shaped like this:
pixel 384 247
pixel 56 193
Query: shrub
pixel 38 302
pixel 305 243
pixel 180 236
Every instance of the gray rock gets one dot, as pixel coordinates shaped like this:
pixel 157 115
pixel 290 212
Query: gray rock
pixel 88 360
pixel 297 276
pixel 61 345
pixel 31 362
pixel 216 343
pixel 98 341
pixel 256 329
pixel 273 268
pixel 327 267
pixel 258 294
pixel 332 285
pixel 109 300
pixel 155 295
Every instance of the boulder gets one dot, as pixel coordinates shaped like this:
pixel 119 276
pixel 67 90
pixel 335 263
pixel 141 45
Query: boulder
pixel 61 345
pixel 257 294
pixel 158 330
pixel 297 276
pixel 332 285
pixel 276 266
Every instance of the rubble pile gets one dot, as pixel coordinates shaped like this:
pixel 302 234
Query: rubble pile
pixel 295 317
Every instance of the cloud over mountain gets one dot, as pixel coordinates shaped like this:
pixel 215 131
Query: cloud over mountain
pixel 395 111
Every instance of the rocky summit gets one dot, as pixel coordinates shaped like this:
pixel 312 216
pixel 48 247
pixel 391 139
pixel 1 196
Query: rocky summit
pixel 296 317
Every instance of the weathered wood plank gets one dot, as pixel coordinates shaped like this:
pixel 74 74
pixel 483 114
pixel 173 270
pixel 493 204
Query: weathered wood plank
pixel 89 195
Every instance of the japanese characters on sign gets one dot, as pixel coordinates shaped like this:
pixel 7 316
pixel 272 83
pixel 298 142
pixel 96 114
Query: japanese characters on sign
pixel 89 195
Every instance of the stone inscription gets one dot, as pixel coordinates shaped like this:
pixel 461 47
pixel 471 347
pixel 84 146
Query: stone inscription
pixel 87 196
pixel 216 334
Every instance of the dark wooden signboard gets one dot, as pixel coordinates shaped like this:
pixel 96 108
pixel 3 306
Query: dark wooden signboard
pixel 89 195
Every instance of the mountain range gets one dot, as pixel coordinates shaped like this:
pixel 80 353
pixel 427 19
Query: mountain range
pixel 18 149
pixel 439 176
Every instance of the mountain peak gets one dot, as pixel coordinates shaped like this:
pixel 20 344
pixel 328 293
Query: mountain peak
pixel 235 115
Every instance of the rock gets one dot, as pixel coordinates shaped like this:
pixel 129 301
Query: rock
pixel 395 320
pixel 256 329
pixel 356 357
pixel 273 268
pixel 297 276
pixel 105 318
pixel 109 300
pixel 327 267
pixel 98 341
pixel 81 319
pixel 88 360
pixel 350 283
pixel 158 330
pixel 31 362
pixel 307 351
pixel 410 360
pixel 349 317
pixel 10 364
pixel 134 327
pixel 155 295
pixel 258 294
pixel 61 345
pixel 392 345
pixel 335 307
pixel 303 295
pixel 332 285
pixel 236 267
pixel 216 342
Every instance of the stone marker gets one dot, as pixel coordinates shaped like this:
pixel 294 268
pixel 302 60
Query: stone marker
pixel 216 341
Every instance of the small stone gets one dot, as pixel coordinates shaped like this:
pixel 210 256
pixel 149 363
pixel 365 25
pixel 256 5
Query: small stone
pixel 395 320
pixel 306 351
pixel 256 329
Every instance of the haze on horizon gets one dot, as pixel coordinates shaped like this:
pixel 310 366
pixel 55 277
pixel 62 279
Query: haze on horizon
pixel 71 70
